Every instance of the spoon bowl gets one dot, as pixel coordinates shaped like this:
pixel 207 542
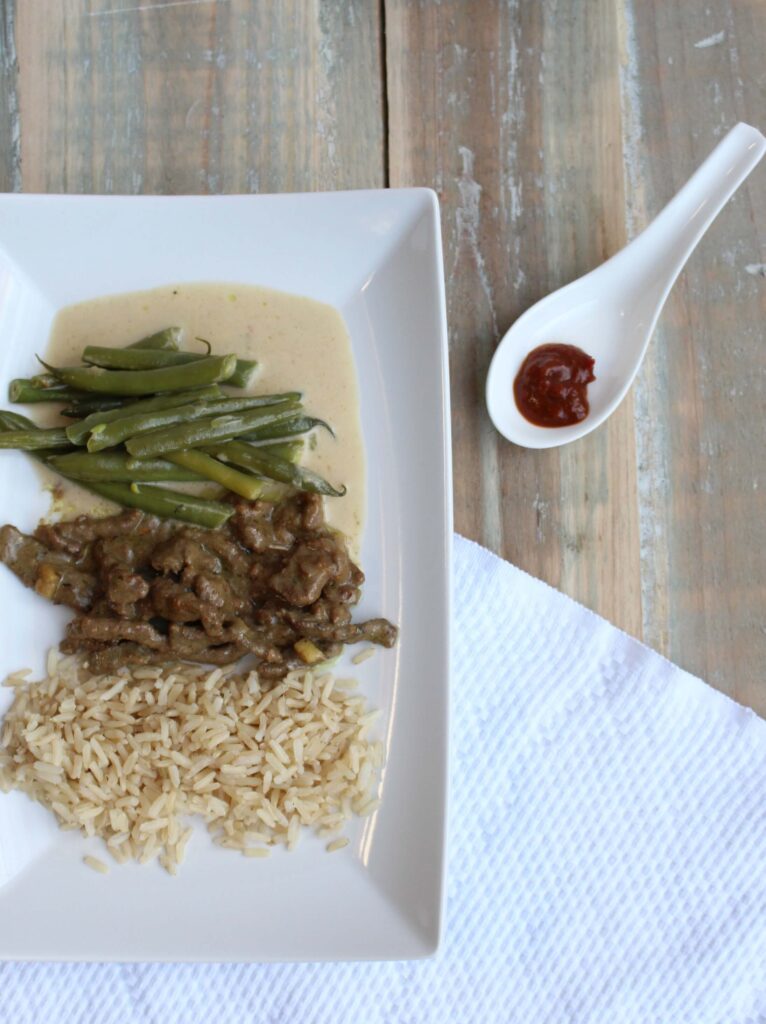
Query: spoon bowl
pixel 611 312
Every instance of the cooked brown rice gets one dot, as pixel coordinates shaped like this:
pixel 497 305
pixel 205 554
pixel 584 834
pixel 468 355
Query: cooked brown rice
pixel 128 757
pixel 96 864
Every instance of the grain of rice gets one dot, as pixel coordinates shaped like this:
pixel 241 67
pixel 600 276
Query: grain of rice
pixel 96 864
pixel 148 853
pixel 363 655
pixel 256 851
pixel 169 864
pixel 18 678
pixel 279 751
pixel 146 673
pixel 118 687
pixel 157 806
pixel 368 807
pixel 337 844
pixel 212 680
pixel 256 837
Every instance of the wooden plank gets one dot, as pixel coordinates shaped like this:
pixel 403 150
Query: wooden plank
pixel 200 96
pixel 10 134
pixel 512 112
pixel 691 71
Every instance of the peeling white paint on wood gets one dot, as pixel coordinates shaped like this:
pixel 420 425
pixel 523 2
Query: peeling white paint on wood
pixel 10 120
pixel 650 438
pixel 467 253
pixel 468 225
pixel 714 40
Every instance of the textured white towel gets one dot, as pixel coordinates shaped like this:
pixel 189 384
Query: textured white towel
pixel 607 852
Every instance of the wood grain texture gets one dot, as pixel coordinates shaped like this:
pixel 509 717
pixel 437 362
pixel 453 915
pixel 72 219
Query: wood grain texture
pixel 10 124
pixel 197 96
pixel 529 172
pixel 692 71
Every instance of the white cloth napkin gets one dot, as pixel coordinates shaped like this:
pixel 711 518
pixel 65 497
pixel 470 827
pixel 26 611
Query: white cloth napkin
pixel 607 852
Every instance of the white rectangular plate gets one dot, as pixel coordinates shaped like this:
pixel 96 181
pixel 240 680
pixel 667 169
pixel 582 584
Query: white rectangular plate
pixel 376 256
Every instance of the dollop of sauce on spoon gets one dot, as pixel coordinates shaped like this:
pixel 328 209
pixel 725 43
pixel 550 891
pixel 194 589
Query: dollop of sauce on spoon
pixel 551 388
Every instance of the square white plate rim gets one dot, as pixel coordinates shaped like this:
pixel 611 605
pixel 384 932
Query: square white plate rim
pixel 413 565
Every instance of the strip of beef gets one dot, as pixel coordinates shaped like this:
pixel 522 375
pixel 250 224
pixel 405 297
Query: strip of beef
pixel 253 523
pixel 219 599
pixel 109 659
pixel 301 514
pixel 263 567
pixel 173 601
pixel 191 644
pixel 311 565
pixel 122 564
pixel 90 629
pixel 209 599
pixel 51 575
pixel 325 610
pixel 235 559
pixel 247 640
pixel 375 631
pixel 185 555
pixel 342 594
pixel 74 535
pixel 268 526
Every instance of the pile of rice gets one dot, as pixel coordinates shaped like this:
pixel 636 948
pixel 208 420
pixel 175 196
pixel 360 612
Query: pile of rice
pixel 128 757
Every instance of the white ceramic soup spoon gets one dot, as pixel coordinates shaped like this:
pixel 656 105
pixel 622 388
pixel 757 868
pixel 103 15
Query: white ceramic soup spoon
pixel 611 312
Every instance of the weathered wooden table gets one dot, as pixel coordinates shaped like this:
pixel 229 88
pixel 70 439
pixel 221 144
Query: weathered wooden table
pixel 551 130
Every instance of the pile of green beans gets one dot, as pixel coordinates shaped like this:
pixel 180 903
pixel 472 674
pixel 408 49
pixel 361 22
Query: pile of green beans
pixel 149 413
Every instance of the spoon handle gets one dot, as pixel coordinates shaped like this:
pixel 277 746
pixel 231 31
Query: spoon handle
pixel 670 238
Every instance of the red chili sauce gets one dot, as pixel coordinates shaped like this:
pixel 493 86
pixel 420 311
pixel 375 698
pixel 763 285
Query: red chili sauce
pixel 551 388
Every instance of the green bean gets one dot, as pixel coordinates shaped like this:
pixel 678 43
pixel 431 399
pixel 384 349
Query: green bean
pixel 160 501
pixel 77 432
pixel 244 402
pixel 207 431
pixel 167 338
pixel 290 428
pixel 111 434
pixel 136 358
pixel 22 390
pixel 30 440
pixel 117 467
pixel 88 406
pixel 209 370
pixel 12 421
pixel 290 450
pixel 150 359
pixel 274 467
pixel 15 421
pixel 45 380
pixel 243 374
pixel 232 479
